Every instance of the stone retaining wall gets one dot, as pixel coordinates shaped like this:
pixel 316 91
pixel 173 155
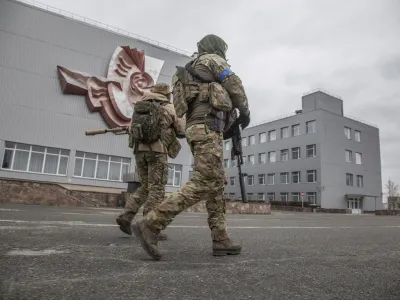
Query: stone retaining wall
pixel 387 212
pixel 29 192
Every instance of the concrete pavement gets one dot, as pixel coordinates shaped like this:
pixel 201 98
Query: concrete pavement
pixel 79 253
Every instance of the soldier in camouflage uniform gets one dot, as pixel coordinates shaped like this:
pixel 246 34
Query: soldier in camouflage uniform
pixel 152 161
pixel 204 133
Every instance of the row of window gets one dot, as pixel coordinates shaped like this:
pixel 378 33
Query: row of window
pixel 349 157
pixel 285 178
pixel 359 180
pixel 263 137
pixel 270 157
pixel 284 197
pixel 357 134
pixel 53 161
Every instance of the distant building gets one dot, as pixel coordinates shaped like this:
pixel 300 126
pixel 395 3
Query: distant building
pixel 61 75
pixel 334 160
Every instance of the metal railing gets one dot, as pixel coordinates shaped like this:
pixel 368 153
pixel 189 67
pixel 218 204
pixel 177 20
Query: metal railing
pixel 323 91
pixel 101 25
pixel 361 121
pixel 272 119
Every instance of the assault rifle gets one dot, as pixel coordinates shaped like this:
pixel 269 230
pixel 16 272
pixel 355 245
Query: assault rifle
pixel 237 152
pixel 117 130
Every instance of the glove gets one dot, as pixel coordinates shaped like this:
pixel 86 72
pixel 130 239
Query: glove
pixel 244 120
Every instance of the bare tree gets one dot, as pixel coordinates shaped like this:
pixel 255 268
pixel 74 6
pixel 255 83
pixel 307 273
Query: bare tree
pixel 392 189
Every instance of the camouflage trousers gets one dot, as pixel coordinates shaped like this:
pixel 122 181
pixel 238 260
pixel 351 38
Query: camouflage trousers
pixel 152 169
pixel 206 184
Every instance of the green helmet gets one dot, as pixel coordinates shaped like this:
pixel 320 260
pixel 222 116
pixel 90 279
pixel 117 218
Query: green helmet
pixel 212 44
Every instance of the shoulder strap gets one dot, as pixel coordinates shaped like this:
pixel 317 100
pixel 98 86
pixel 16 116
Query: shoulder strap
pixel 193 72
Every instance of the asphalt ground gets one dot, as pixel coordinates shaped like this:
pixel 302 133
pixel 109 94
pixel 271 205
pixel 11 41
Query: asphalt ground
pixel 79 253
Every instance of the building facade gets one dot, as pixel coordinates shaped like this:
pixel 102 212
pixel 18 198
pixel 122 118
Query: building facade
pixel 60 77
pixel 316 155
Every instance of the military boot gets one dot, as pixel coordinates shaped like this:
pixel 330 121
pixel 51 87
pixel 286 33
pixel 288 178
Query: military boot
pixel 148 239
pixel 124 221
pixel 223 245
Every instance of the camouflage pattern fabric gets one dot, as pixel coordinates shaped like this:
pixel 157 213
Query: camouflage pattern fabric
pixel 152 168
pixel 207 183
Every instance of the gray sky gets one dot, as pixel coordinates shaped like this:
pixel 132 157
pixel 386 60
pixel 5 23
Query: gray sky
pixel 282 49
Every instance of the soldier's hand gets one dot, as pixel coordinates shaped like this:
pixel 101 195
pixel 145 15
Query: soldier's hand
pixel 244 120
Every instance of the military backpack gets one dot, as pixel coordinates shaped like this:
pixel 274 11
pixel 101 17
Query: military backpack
pixel 145 123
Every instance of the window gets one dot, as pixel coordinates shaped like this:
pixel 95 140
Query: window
pixel 227 145
pixel 296 197
pixel 226 163
pixel 252 140
pixel 285 132
pixel 250 196
pixel 232 196
pixel 98 166
pixel 285 177
pixel 174 175
pixel 271 196
pixel 261 197
pixel 311 176
pixel 358 158
pixel 360 181
pixel 271 179
pixel 311 125
pixel 296 177
pixel 348 155
pixel 261 179
pixel 250 160
pixel 262 158
pixel 312 198
pixel 285 155
pixel 284 197
pixel 272 157
pixel 35 159
pixel 296 153
pixel 311 150
pixel 347 133
pixel 349 179
pixel 296 130
pixel 263 137
pixel 271 135
pixel 244 142
pixel 233 162
pixel 357 136
pixel 250 179
pixel 232 181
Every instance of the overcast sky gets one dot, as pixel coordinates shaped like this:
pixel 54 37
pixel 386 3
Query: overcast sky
pixel 282 49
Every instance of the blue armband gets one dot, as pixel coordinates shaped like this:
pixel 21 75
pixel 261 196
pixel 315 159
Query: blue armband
pixel 225 73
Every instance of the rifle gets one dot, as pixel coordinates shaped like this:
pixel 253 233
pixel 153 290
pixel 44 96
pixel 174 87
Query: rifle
pixel 237 151
pixel 117 130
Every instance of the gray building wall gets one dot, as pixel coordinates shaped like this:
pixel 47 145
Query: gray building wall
pixel 329 162
pixel 335 167
pixel 33 109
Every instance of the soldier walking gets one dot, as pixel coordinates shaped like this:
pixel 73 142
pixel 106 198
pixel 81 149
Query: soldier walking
pixel 154 129
pixel 207 91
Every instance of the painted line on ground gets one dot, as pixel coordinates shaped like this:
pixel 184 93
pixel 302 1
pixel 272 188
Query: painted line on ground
pixel 81 223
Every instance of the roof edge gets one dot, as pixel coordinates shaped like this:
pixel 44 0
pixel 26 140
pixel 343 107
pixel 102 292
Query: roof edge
pixel 100 25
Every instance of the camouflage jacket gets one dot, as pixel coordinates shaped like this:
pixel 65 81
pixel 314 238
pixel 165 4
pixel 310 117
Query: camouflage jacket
pixel 218 65
pixel 170 126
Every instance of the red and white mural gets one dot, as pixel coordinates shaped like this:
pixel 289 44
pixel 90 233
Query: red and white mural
pixel 130 75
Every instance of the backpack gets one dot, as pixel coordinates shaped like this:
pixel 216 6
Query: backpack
pixel 145 122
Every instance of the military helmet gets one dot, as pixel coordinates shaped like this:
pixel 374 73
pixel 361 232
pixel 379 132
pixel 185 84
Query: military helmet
pixel 161 88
